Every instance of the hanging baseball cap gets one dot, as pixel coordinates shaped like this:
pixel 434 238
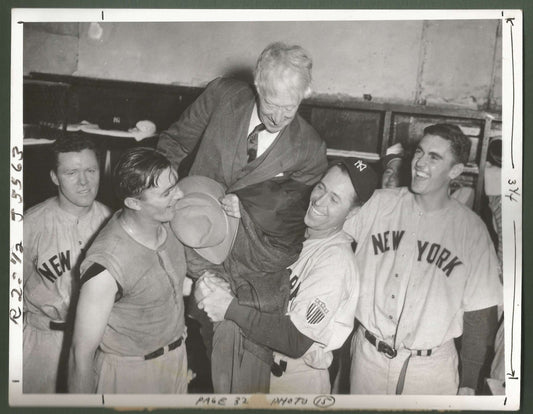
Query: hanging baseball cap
pixel 394 152
pixel 494 150
pixel 200 221
pixel 364 178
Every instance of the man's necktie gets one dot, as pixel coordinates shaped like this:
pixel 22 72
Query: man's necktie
pixel 252 142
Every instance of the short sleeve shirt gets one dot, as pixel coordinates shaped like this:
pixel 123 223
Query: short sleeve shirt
pixel 324 290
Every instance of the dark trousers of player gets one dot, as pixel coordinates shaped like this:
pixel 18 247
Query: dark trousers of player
pixel 234 369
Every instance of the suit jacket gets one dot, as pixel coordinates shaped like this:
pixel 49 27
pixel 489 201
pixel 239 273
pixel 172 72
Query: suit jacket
pixel 215 128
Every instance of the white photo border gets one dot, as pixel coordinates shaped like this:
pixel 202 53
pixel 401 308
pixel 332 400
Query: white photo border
pixel 512 109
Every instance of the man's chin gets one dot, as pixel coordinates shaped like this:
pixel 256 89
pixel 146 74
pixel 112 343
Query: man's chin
pixel 274 130
pixel 85 201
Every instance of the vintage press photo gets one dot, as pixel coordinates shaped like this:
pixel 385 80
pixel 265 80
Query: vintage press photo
pixel 379 78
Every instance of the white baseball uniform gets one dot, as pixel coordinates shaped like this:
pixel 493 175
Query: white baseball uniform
pixel 419 273
pixel 324 291
pixel 54 241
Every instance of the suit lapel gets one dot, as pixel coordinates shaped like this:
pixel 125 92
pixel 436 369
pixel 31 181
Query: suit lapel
pixel 283 151
pixel 235 128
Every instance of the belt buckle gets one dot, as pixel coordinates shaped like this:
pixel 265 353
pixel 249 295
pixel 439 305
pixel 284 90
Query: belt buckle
pixel 387 350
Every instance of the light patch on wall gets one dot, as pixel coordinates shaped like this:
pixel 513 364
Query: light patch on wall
pixel 97 33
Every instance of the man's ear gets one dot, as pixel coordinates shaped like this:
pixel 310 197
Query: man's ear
pixel 53 176
pixel 132 203
pixel 456 170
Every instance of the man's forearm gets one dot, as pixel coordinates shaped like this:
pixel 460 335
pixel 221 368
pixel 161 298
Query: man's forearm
pixel 478 335
pixel 81 378
pixel 270 329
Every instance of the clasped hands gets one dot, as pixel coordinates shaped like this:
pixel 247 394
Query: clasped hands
pixel 213 295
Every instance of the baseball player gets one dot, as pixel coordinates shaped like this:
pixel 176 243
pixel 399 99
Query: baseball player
pixel 56 232
pixel 429 274
pixel 324 287
pixel 129 331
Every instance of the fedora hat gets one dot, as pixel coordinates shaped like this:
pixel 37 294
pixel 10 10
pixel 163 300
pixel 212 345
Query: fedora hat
pixel 200 222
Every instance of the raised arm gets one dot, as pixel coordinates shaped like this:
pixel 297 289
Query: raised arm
pixel 96 300
pixel 182 136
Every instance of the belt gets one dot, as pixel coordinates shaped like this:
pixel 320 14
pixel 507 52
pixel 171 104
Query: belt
pixel 161 351
pixel 381 346
pixel 44 323
pixel 278 369
pixel 390 353
pixel 57 326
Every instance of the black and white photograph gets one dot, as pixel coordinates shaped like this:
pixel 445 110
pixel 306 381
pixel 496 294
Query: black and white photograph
pixel 297 209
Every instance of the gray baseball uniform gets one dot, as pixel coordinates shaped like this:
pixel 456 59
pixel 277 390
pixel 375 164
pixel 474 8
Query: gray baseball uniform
pixel 54 244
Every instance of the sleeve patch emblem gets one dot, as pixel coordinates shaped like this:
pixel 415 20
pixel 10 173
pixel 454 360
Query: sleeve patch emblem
pixel 316 312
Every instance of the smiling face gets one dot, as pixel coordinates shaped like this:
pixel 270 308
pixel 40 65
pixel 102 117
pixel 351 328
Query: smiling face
pixel 332 201
pixel 77 177
pixel 433 167
pixel 278 104
pixel 157 203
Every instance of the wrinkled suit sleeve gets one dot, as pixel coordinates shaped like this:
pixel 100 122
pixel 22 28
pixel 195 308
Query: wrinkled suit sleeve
pixel 182 136
pixel 313 161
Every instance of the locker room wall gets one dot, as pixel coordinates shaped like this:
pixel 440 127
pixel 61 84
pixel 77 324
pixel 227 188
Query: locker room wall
pixel 447 63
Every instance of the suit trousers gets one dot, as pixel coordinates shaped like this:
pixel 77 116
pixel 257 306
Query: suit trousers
pixel 234 369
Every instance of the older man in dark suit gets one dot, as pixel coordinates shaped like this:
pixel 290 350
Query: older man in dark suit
pixel 253 142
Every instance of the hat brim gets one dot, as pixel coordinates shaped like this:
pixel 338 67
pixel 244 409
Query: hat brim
pixel 198 184
pixel 218 253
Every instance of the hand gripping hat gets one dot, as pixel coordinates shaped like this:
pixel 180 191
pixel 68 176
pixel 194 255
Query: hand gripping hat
pixel 200 222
